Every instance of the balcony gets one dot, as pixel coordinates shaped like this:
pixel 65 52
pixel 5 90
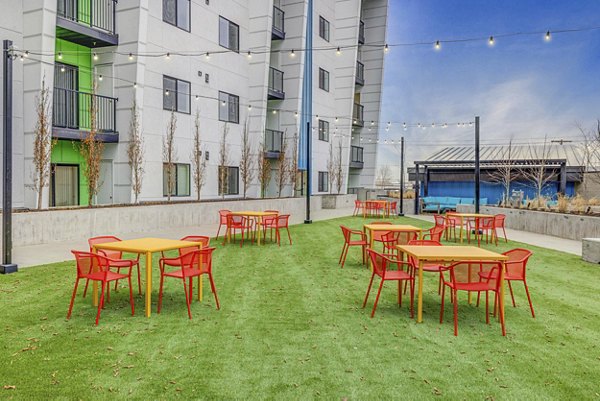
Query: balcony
pixel 275 84
pixel 356 157
pixel 273 140
pixel 361 33
pixel 90 23
pixel 71 115
pixel 360 73
pixel 358 115
pixel 278 31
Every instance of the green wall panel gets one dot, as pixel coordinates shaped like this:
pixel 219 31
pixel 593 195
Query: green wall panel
pixel 67 152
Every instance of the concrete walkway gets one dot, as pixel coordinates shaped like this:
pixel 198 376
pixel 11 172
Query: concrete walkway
pixel 541 240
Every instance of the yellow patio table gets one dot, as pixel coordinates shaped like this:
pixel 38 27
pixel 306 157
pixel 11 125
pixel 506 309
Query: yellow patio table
pixel 257 215
pixel 146 246
pixel 449 254
pixel 370 228
pixel 463 216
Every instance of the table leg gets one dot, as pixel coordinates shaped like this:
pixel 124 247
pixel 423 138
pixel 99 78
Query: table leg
pixel 501 300
pixel 461 230
pixel 94 286
pixel 469 275
pixel 148 283
pixel 259 229
pixel 200 282
pixel 420 294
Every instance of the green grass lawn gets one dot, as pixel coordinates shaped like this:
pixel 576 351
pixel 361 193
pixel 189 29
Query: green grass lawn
pixel 291 326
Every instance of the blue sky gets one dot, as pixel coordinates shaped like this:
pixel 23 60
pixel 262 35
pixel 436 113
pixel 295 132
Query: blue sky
pixel 522 88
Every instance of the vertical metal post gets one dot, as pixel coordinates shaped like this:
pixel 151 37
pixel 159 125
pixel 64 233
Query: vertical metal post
pixel 308 173
pixel 417 189
pixel 7 64
pixel 307 103
pixel 563 178
pixel 401 212
pixel 477 170
pixel 426 180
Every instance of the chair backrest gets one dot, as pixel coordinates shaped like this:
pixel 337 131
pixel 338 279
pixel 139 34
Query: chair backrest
pixel 223 216
pixel 283 220
pixel 435 233
pixel 378 261
pixel 346 232
pixel 102 240
pixel 466 272
pixel 357 203
pixel 487 222
pixel 204 240
pixel 516 264
pixel 88 263
pixel 499 220
pixel 439 220
pixel 234 219
pixel 200 259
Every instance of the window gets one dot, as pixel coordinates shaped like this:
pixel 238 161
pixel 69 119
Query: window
pixel 323 79
pixel 177 12
pixel 324 28
pixel 324 130
pixel 323 181
pixel 228 180
pixel 229 34
pixel 64 185
pixel 176 95
pixel 229 108
pixel 180 174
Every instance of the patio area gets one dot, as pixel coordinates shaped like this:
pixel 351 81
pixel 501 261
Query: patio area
pixel 291 326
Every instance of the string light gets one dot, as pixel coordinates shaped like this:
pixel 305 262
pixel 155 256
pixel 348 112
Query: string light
pixel 207 55
pixel 223 103
pixel 26 53
pixel 249 54
pixel 130 56
pixel 386 48
pixel 274 111
pixel 60 55
pixel 167 92
pixel 197 97
pixel 547 36
pixel 338 51
pixel 100 78
pixel 292 54
pixel 438 45
pixel 62 68
pixel 135 85
pixel 491 41
pixel 249 107
pixel 168 56
pixel 295 114
pixel 95 56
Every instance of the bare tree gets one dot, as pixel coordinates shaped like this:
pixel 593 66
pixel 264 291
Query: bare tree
pixel 331 167
pixel 264 169
pixel 282 171
pixel 246 160
pixel 91 149
pixel 170 154
pixel 42 143
pixel 223 161
pixel 198 162
pixel 293 163
pixel 538 174
pixel 135 151
pixel 503 173
pixel 384 176
pixel 339 170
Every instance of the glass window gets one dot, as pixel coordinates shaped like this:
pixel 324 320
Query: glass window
pixel 176 95
pixel 229 34
pixel 64 185
pixel 230 185
pixel 323 181
pixel 180 179
pixel 323 130
pixel 229 107
pixel 323 79
pixel 324 28
pixel 183 96
pixel 177 12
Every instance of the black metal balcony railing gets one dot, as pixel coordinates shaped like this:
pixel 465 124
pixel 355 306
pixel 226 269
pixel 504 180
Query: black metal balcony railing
pixel 278 31
pixel 98 14
pixel 276 84
pixel 72 110
pixel 273 140
pixel 361 33
pixel 360 73
pixel 356 154
pixel 357 115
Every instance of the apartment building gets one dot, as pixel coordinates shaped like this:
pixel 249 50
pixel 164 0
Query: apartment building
pixel 231 61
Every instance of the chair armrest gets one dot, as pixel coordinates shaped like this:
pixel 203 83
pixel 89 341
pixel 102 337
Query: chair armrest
pixel 358 232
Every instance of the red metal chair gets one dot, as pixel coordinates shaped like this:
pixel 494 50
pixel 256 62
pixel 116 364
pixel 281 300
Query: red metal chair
pixel 434 233
pixel 378 235
pixel 348 242
pixel 485 225
pixel 193 264
pixel 222 219
pixel 174 261
pixel 393 238
pixel 381 263
pixel 91 266
pixel 116 259
pixel 358 207
pixel 516 270
pixel 434 268
pixel 452 222
pixel 267 220
pixel 499 220
pixel 282 221
pixel 461 277
pixel 242 223
pixel 392 207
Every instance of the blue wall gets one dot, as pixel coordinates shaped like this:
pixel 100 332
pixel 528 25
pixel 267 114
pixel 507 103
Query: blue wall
pixel 493 192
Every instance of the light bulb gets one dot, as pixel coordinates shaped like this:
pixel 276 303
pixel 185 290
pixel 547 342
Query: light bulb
pixel 249 54
pixel 386 48
pixel 336 119
pixel 60 55
pixel 223 103
pixel 62 68
pixel 21 58
pixel 95 56
pixel 547 37
pixel 167 92
pixel 135 85
pixel 491 41
pixel 438 45
pixel 372 122
pixel 404 125
pixel 130 56
pixel 249 107
pixel 207 55
pixel 274 111
pixel 197 97
pixel 168 56
pixel 292 54
pixel 338 51
pixel 100 77
pixel 26 53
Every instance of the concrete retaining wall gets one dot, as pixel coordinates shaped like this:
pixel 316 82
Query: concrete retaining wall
pixel 569 226
pixel 48 226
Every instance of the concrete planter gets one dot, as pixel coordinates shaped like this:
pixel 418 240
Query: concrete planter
pixel 56 225
pixel 337 201
pixel 569 226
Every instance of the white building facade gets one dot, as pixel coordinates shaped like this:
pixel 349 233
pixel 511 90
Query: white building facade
pixel 230 61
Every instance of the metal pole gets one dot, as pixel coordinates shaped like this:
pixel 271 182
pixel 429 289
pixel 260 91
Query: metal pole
pixel 7 63
pixel 477 171
pixel 401 213
pixel 417 189
pixel 308 173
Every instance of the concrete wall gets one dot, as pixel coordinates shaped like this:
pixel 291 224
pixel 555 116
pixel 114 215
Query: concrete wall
pixel 569 226
pixel 48 226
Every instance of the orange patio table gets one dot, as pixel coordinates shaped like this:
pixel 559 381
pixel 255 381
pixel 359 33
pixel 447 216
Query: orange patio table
pixel 446 254
pixel 475 216
pixel 146 246
pixel 257 215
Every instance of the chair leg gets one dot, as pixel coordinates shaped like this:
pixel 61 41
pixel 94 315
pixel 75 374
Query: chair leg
pixel 214 290
pixel 289 236
pixel 377 298
pixel 455 313
pixel 101 303
pixel 73 298
pixel 218 231
pixel 512 296
pixel 399 293
pixel 505 238
pixel 87 282
pixel 191 285
pixel 160 292
pixel 187 300
pixel 487 306
pixel 529 298
pixel 412 298
pixel 342 254
pixel 368 290
pixel 443 300
pixel 139 278
pixel 278 236
pixel 131 295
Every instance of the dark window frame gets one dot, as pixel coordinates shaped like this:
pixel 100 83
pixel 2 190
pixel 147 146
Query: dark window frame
pixel 53 182
pixel 322 125
pixel 237 174
pixel 323 22
pixel 322 74
pixel 323 179
pixel 176 95
pixel 237 50
pixel 176 194
pixel 227 105
pixel 176 24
